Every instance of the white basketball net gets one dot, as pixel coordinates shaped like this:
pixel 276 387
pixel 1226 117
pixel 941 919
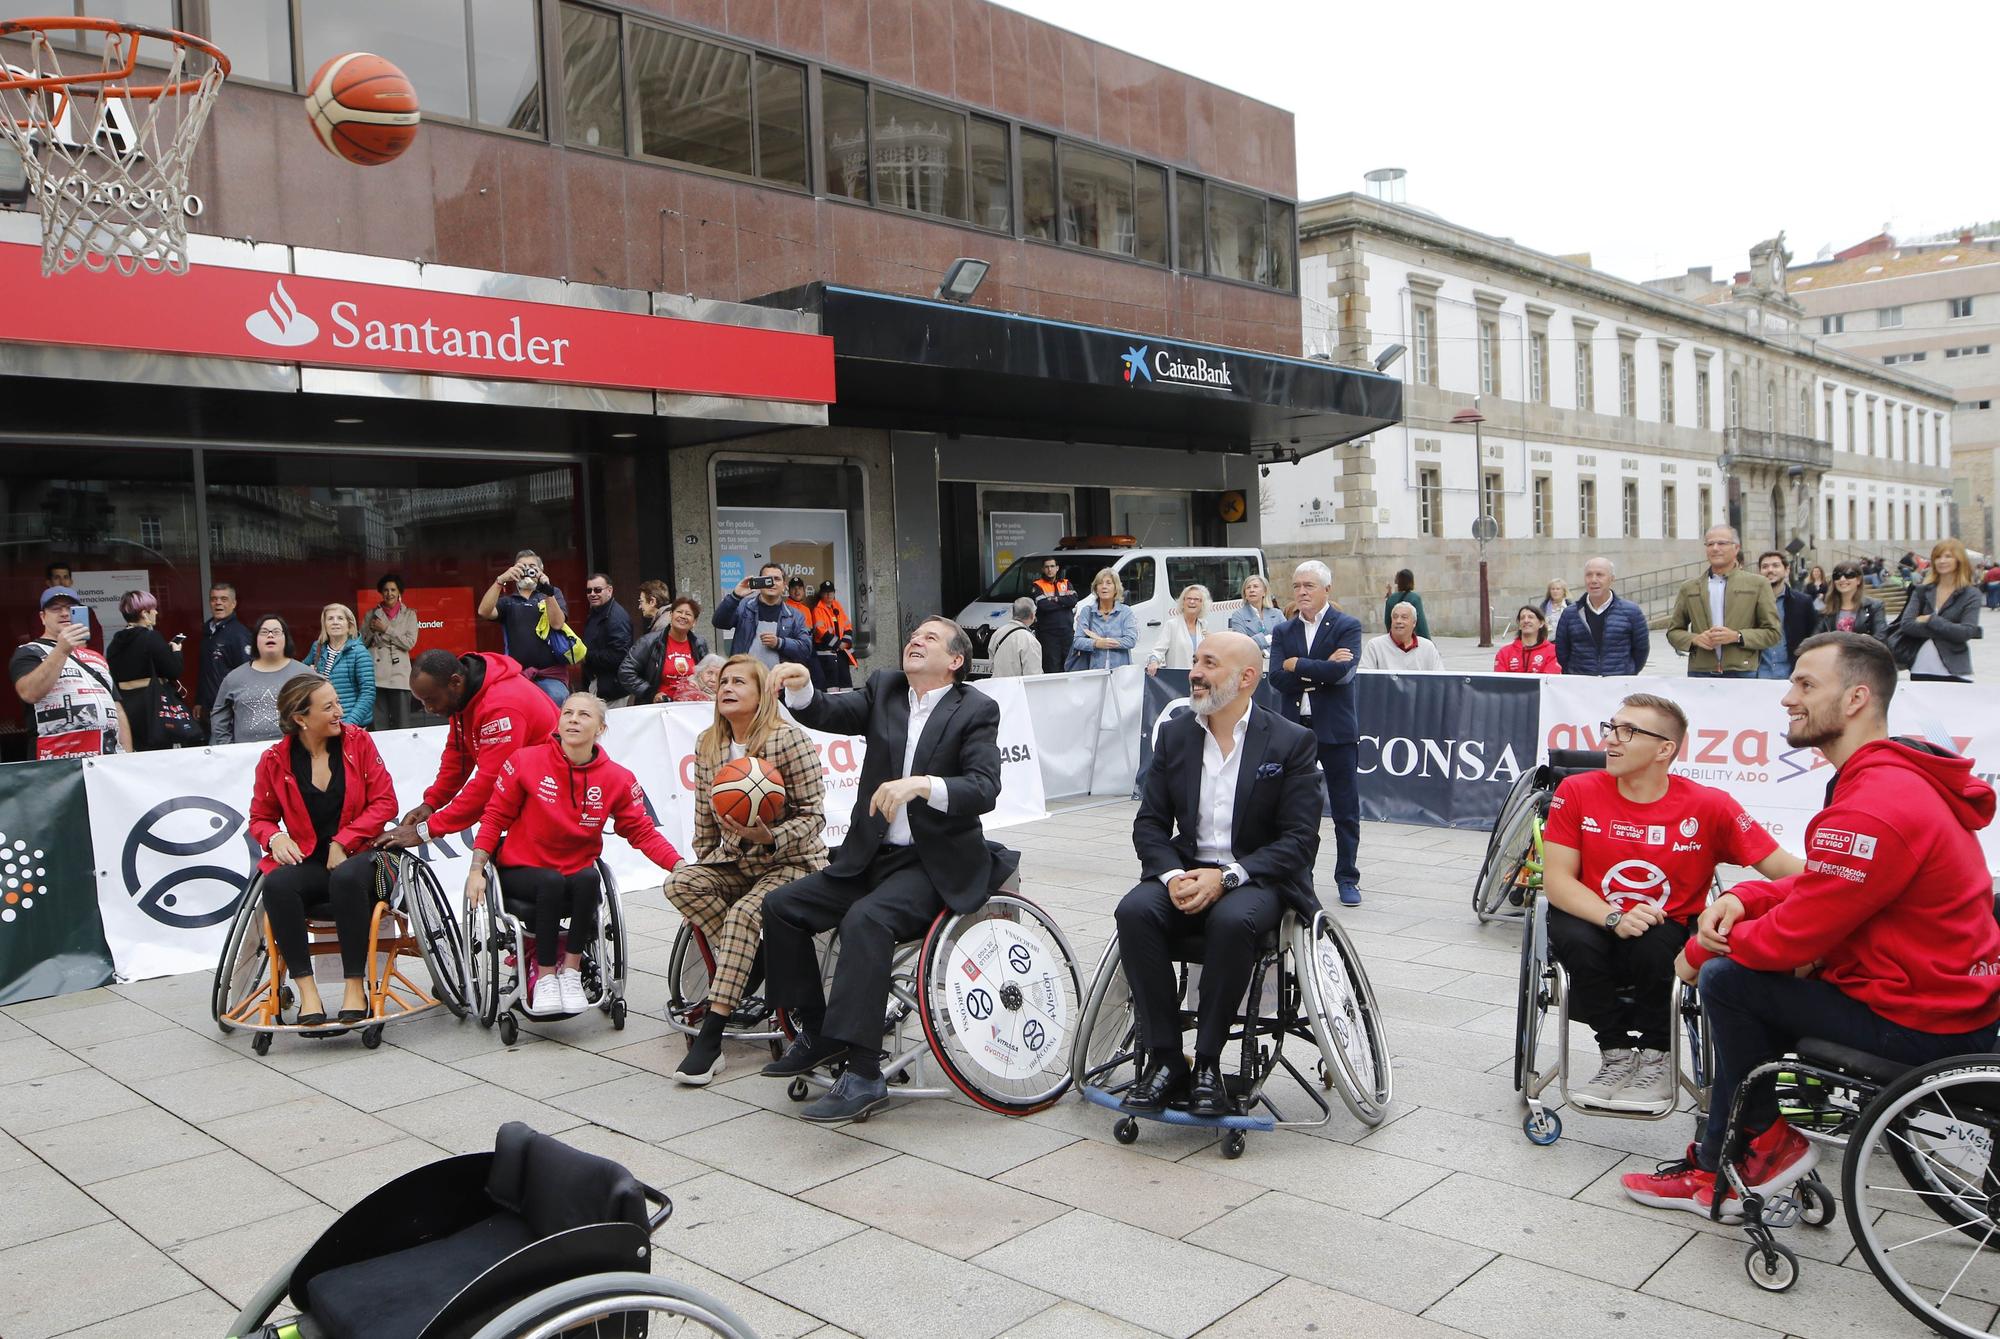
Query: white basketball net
pixel 109 171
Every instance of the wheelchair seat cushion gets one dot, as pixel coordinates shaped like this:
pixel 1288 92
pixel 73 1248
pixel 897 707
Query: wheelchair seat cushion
pixel 521 908
pixel 1832 1055
pixel 555 1187
pixel 399 1293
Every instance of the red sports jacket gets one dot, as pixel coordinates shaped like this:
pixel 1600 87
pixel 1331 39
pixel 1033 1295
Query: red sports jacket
pixel 367 806
pixel 507 712
pixel 553 812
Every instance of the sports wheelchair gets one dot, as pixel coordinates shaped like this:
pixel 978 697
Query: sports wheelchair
pixel 990 996
pixel 501 954
pixel 411 916
pixel 1513 862
pixel 533 1240
pixel 1308 985
pixel 690 973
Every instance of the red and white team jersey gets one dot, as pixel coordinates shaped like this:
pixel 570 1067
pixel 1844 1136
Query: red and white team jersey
pixel 1664 853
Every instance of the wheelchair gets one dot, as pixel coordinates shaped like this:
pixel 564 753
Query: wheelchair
pixel 1308 985
pixel 690 971
pixel 501 953
pixel 989 996
pixel 533 1240
pixel 1513 862
pixel 411 917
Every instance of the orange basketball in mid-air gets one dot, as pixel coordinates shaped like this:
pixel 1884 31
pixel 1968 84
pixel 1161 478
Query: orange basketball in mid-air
pixel 363 108
pixel 748 790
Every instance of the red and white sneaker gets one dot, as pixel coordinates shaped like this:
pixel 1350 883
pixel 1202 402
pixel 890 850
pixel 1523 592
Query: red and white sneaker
pixel 1779 1158
pixel 1675 1185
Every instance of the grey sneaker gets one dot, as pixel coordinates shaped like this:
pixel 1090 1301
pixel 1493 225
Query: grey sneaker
pixel 1652 1083
pixel 1616 1070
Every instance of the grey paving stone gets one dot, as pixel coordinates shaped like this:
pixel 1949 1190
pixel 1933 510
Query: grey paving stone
pixel 465 1119
pixel 960 1135
pixel 1518 1299
pixel 28 1010
pixel 126 1141
pixel 126 1274
pixel 386 1078
pixel 1512 1220
pixel 1469 958
pixel 934 1206
pixel 741 1229
pixel 1413 975
pixel 541 1071
pixel 649 1162
pixel 1487 1148
pixel 446 1039
pixel 1171 1287
pixel 1831 1244
pixel 309 1130
pixel 644 995
pixel 1170 1198
pixel 74 1029
pixel 1397 1266
pixel 195 1315
pixel 927 1292
pixel 40 1201
pixel 60 1099
pixel 769 1317
pixel 237 1261
pixel 1076 1117
pixel 216 1091
pixel 781 1154
pixel 1463 1092
pixel 1937 1260
pixel 649 1107
pixel 151 1054
pixel 1295 1307
pixel 182 1201
pixel 29 1056
pixel 344 1181
pixel 1067 1320
pixel 1327 1172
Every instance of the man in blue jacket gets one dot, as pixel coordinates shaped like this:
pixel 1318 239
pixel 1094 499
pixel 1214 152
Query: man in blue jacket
pixel 1601 634
pixel 1313 662
pixel 765 627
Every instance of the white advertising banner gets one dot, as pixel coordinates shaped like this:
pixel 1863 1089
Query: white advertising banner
pixel 1736 738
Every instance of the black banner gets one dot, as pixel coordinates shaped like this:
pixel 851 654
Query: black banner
pixel 51 941
pixel 1168 690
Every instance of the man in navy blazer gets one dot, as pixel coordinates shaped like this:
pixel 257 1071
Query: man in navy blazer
pixel 1313 661
pixel 1226 836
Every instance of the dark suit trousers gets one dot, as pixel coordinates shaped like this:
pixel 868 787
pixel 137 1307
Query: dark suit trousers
pixel 889 902
pixel 1343 793
pixel 1148 922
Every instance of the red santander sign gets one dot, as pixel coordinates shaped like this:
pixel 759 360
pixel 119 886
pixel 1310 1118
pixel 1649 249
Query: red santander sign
pixel 217 312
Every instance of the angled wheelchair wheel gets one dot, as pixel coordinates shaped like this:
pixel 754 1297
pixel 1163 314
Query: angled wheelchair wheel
pixel 1531 1006
pixel 483 946
pixel 1001 996
pixel 1107 1036
pixel 616 1306
pixel 611 933
pixel 690 974
pixel 1511 844
pixel 1345 1018
pixel 245 963
pixel 438 934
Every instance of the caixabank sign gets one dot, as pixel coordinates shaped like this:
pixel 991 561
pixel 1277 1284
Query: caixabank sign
pixel 215 311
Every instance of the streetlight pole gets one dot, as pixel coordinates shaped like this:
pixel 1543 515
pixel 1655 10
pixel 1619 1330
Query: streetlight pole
pixel 1484 527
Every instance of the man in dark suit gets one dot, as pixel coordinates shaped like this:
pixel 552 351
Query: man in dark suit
pixel 932 768
pixel 1313 661
pixel 1226 834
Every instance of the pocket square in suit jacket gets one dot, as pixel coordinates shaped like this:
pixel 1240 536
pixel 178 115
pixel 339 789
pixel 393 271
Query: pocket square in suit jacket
pixel 1270 769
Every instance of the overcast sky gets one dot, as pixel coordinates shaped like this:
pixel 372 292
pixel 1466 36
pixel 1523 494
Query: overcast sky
pixel 1657 137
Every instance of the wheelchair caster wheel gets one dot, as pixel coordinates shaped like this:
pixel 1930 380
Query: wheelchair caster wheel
pixel 1543 1128
pixel 798 1090
pixel 371 1036
pixel 510 1030
pixel 618 1013
pixel 1815 1202
pixel 1126 1131
pixel 1232 1144
pixel 261 1043
pixel 1325 1078
pixel 1773 1267
pixel 285 998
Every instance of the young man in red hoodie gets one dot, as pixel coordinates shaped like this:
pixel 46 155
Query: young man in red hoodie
pixel 1886 942
pixel 492 709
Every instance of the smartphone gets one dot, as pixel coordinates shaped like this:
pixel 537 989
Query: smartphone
pixel 763 583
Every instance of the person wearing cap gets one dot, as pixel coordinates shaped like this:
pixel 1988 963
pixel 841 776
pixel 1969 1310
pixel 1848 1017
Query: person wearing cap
pixel 833 639
pixel 67 686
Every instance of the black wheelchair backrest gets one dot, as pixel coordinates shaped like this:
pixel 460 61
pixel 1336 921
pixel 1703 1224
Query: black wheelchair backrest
pixel 555 1187
pixel 1568 762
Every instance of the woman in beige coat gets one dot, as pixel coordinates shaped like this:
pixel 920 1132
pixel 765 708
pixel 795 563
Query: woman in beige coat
pixel 390 633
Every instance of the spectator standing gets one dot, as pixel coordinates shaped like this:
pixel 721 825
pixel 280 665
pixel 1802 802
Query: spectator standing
pixel 1532 651
pixel 145 665
pixel 1402 647
pixel 1403 590
pixel 1055 615
pixel 1815 588
pixel 799 598
pixel 1601 634
pixel 225 645
pixel 1993 586
pixel 246 705
pixel 661 665
pixel 833 639
pixel 607 636
pixel 767 626
pixel 534 624
pixel 1555 599
pixel 1015 651
pixel 1940 618
pixel 1106 628
pixel 1848 610
pixel 1314 657
pixel 1257 618
pixel 390 634
pixel 67 686
pixel 1174 647
pixel 338 656
pixel 57 576
pixel 1796 616
pixel 1724 619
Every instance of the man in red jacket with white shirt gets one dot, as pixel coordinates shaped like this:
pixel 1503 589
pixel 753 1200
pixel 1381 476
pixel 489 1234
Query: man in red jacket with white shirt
pixel 1886 942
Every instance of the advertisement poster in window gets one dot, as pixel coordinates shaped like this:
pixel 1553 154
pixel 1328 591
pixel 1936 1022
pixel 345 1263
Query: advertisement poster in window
pixel 807 542
pixel 445 616
pixel 1014 533
pixel 101 592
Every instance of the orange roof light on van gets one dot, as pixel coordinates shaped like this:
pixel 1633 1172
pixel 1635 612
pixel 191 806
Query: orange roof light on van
pixel 1098 542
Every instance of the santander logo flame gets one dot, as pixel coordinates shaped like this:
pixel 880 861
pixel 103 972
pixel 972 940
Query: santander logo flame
pixel 280 322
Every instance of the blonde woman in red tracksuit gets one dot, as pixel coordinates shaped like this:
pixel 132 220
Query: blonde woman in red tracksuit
pixel 551 802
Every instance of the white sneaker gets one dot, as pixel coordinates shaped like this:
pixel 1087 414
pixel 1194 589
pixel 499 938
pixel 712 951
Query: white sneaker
pixel 1615 1071
pixel 1652 1083
pixel 548 996
pixel 574 1001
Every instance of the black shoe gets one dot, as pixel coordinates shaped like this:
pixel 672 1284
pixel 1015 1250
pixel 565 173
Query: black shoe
pixel 312 1020
pixel 1210 1096
pixel 805 1054
pixel 353 1015
pixel 1161 1083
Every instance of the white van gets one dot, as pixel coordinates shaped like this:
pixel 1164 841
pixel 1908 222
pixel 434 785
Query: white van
pixel 1152 577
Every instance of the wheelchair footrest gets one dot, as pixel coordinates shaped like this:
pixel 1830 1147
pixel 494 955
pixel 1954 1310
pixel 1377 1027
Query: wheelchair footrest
pixel 1648 1111
pixel 1112 1102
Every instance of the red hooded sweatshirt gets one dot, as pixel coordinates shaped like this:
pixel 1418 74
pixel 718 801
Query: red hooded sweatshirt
pixel 552 812
pixel 505 711
pixel 1895 902
pixel 1514 658
pixel 367 804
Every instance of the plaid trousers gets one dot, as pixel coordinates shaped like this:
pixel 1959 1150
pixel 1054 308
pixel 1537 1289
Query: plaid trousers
pixel 727 903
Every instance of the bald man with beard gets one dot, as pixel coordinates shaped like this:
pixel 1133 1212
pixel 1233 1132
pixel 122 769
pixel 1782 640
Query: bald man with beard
pixel 1226 835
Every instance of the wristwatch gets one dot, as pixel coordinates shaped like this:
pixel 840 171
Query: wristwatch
pixel 1611 921
pixel 424 831
pixel 1230 880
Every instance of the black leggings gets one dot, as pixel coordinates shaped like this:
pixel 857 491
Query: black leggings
pixel 346 893
pixel 556 897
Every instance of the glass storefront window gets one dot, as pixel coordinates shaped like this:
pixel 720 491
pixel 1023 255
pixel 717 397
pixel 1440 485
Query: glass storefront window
pixel 1189 225
pixel 992 201
pixel 1097 205
pixel 1239 242
pixel 1152 214
pixel 257 35
pixel 806 515
pixel 1284 234
pixel 593 85
pixel 919 156
pixel 427 42
pixel 1015 521
pixel 693 99
pixel 844 130
pixel 1038 186
pixel 506 65
pixel 1156 520
pixel 781 122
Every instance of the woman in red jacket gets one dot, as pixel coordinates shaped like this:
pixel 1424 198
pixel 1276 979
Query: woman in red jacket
pixel 551 802
pixel 1532 652
pixel 321 792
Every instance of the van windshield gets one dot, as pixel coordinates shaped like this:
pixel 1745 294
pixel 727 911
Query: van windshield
pixel 1019 579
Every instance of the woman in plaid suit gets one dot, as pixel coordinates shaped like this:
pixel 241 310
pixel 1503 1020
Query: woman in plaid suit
pixel 724 893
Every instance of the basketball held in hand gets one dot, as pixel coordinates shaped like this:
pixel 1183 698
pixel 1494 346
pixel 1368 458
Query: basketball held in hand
pixel 747 791
pixel 363 108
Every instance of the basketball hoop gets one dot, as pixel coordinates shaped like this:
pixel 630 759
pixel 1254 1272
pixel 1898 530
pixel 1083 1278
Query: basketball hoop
pixel 107 159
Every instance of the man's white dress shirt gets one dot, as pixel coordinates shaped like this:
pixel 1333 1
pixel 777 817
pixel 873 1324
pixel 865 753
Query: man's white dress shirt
pixel 921 707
